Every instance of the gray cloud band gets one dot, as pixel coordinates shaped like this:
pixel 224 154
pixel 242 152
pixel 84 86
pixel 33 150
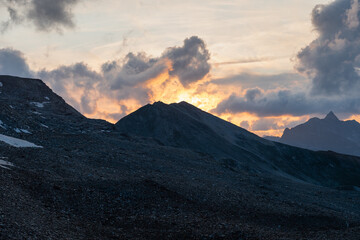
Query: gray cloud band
pixel 282 102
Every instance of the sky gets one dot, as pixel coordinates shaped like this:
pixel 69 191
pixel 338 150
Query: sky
pixel 264 65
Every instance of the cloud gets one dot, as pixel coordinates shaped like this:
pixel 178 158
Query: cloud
pixel 332 60
pixel 12 62
pixel 74 80
pixel 252 80
pixel 136 69
pixel 190 62
pixel 245 124
pixel 46 15
pixel 286 102
pixel 49 14
pixel 123 84
pixel 264 124
pixel 245 60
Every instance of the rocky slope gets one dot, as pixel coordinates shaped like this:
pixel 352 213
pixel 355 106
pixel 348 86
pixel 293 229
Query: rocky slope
pixel 28 106
pixel 183 125
pixel 91 182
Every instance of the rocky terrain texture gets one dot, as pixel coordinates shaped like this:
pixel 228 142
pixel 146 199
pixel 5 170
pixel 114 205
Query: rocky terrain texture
pixel 325 134
pixel 94 180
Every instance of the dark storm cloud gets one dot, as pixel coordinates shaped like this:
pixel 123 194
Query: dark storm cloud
pixel 285 102
pixel 46 15
pixel 332 60
pixel 190 62
pixel 12 62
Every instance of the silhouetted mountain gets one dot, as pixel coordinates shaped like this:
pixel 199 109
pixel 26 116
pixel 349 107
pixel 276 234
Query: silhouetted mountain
pixel 201 178
pixel 183 125
pixel 325 134
pixel 28 106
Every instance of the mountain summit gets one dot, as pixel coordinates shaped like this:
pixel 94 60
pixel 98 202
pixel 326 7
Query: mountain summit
pixel 331 117
pixel 325 134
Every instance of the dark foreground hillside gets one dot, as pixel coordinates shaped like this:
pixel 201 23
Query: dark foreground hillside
pixel 90 181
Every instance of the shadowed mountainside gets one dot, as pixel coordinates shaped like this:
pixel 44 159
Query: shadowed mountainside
pixel 183 125
pixel 31 106
pixel 92 181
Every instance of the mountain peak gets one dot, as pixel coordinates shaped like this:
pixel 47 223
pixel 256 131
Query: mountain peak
pixel 331 116
pixel 158 103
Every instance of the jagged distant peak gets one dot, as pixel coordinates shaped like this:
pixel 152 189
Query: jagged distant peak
pixel 331 116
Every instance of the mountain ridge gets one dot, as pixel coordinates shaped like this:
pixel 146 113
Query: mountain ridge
pixel 325 134
pixel 183 125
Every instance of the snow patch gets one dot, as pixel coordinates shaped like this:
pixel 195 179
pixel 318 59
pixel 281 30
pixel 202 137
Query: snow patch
pixel 25 131
pixel 1 84
pixel 5 164
pixel 19 143
pixel 11 107
pixel 39 104
pixel 47 98
pixel 2 125
pixel 22 131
